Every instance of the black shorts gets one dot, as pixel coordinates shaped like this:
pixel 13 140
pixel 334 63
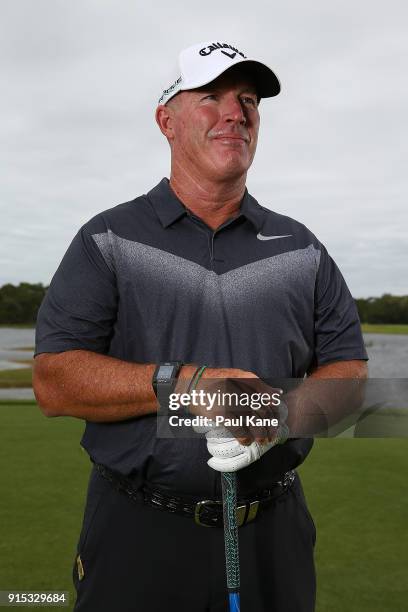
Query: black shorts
pixel 139 559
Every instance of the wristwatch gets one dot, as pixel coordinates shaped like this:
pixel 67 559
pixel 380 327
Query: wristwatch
pixel 164 380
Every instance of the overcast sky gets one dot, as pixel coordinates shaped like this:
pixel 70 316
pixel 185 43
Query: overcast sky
pixel 81 81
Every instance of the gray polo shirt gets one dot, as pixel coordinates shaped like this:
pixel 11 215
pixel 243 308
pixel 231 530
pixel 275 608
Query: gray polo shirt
pixel 147 281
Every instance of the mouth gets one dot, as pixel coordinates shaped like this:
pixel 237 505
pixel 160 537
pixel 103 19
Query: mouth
pixel 231 139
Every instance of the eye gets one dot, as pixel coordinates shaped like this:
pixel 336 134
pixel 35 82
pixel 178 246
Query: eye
pixel 249 100
pixel 209 97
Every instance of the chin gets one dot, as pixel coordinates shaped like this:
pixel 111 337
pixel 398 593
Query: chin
pixel 231 165
pixel 233 174
pixel 233 170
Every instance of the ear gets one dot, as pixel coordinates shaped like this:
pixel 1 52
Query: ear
pixel 165 120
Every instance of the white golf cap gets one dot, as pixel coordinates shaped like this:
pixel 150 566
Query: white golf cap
pixel 202 63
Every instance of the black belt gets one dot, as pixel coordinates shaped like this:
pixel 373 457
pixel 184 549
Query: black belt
pixel 207 512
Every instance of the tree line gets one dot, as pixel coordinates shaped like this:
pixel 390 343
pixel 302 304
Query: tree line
pixel 385 309
pixel 20 304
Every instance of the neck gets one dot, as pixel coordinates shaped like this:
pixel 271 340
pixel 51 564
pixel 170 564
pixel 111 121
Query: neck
pixel 213 202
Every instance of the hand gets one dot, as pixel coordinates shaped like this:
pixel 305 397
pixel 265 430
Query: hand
pixel 229 455
pixel 248 420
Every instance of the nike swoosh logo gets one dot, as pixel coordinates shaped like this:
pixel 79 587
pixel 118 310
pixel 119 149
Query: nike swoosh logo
pixel 261 237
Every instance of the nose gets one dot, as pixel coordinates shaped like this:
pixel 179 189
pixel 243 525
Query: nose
pixel 233 110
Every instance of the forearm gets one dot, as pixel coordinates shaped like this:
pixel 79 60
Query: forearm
pixel 91 386
pixel 330 394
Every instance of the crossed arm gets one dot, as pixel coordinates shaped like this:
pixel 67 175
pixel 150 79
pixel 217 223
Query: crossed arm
pixel 99 388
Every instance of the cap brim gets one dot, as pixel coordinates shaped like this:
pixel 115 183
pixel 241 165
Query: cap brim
pixel 267 82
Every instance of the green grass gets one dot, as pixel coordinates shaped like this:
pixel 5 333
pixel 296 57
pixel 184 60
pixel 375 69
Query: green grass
pixel 358 496
pixel 23 348
pixel 371 328
pixel 356 490
pixel 17 402
pixel 21 378
pixel 42 482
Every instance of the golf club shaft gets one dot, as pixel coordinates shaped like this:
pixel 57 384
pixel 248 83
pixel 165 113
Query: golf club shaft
pixel 229 499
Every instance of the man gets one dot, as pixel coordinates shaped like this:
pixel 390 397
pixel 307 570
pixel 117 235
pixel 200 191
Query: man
pixel 197 272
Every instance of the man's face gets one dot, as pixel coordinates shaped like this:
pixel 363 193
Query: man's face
pixel 215 128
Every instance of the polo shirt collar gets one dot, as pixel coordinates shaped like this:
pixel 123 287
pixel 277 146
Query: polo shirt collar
pixel 165 203
pixel 169 208
pixel 253 211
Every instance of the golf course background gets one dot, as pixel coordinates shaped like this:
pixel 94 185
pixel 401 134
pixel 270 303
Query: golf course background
pixel 356 490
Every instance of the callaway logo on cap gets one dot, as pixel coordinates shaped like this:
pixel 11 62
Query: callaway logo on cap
pixel 204 62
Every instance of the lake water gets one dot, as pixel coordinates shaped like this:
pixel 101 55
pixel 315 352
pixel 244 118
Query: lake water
pixel 11 339
pixel 388 356
pixel 14 339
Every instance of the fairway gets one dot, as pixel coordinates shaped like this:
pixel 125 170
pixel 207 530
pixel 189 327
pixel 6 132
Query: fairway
pixel 356 490
pixel 383 328
pixel 21 378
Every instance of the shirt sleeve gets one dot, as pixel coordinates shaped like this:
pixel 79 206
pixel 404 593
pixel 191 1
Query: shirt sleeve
pixel 337 328
pixel 80 306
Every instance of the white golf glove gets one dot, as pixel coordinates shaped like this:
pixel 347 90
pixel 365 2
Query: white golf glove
pixel 228 455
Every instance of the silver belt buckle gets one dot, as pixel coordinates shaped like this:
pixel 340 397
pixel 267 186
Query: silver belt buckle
pixel 252 510
pixel 245 512
pixel 198 507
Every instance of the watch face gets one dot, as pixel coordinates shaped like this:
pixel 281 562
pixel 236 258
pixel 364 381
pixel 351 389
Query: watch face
pixel 165 372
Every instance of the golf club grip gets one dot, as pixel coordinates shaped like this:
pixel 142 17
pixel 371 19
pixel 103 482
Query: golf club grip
pixel 229 498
